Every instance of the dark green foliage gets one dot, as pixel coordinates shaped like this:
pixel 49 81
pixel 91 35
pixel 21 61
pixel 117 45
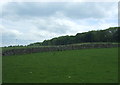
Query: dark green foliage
pixel 107 35
pixel 35 44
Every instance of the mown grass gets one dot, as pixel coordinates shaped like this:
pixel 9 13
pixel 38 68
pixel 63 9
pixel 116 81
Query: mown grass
pixel 74 66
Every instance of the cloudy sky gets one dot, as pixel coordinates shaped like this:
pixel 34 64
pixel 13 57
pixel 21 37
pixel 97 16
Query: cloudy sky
pixel 27 22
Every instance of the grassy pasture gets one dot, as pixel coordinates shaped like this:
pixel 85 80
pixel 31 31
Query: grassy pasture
pixel 74 66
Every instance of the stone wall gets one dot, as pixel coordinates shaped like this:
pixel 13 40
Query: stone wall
pixel 55 48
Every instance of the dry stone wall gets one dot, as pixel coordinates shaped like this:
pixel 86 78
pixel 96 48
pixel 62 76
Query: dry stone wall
pixel 55 48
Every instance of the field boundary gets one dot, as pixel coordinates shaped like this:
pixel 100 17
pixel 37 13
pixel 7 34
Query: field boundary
pixel 55 48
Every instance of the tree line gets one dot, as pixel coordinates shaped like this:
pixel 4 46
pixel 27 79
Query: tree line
pixel 108 35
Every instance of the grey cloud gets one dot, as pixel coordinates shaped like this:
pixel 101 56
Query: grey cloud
pixel 32 8
pixel 8 39
pixel 89 10
pixel 52 26
pixel 11 39
pixel 45 9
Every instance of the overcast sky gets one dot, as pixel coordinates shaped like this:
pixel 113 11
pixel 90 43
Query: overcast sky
pixel 27 22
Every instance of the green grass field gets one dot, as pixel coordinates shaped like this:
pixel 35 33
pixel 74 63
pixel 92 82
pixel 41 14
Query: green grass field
pixel 75 66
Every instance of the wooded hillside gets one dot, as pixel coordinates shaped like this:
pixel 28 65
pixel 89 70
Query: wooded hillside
pixel 107 35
